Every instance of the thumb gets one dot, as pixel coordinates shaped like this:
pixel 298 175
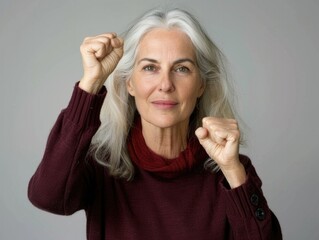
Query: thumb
pixel 201 133
pixel 118 45
pixel 203 137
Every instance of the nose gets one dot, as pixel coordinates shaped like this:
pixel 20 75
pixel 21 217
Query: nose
pixel 166 82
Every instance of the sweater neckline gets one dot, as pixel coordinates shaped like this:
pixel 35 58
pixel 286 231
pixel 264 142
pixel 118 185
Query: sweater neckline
pixel 143 157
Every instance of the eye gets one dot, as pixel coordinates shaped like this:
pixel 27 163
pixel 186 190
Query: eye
pixel 182 69
pixel 149 68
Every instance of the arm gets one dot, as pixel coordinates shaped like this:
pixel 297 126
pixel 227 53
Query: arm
pixel 247 209
pixel 62 181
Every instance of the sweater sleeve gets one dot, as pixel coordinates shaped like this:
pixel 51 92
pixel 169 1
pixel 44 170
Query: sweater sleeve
pixel 61 183
pixel 248 213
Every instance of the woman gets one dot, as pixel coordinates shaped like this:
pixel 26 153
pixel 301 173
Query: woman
pixel 164 161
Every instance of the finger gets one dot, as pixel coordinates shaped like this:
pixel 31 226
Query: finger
pixel 201 133
pixel 219 120
pixel 118 45
pixel 102 46
pixel 210 146
pixel 222 123
pixel 219 137
pixel 219 124
pixel 104 38
pixel 92 51
pixel 110 40
pixel 231 141
pixel 117 42
pixel 104 35
pixel 103 50
pixel 227 136
pixel 211 126
pixel 203 137
pixel 109 35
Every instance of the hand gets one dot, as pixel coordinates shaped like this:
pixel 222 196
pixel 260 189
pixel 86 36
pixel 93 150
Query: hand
pixel 220 138
pixel 100 56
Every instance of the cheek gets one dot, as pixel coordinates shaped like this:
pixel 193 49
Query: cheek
pixel 141 96
pixel 141 91
pixel 191 96
pixel 144 87
pixel 192 93
pixel 139 84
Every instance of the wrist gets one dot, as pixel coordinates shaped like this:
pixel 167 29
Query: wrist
pixel 89 87
pixel 235 176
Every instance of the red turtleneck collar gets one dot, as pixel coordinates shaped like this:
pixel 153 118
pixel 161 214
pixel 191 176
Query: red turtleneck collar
pixel 147 160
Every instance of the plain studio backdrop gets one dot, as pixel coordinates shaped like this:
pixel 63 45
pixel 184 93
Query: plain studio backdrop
pixel 273 54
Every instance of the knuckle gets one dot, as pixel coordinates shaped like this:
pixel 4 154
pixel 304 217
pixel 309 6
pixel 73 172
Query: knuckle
pixel 82 47
pixel 86 39
pixel 107 41
pixel 207 120
pixel 84 44
pixel 234 121
pixel 234 126
pixel 111 34
pixel 236 134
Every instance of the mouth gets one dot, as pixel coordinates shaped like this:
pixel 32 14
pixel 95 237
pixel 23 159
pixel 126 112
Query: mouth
pixel 164 104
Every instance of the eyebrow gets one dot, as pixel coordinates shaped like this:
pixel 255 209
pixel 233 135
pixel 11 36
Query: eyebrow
pixel 175 62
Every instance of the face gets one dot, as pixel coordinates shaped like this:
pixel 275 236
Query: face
pixel 165 81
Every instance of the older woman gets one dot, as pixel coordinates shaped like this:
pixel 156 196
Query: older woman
pixel 163 162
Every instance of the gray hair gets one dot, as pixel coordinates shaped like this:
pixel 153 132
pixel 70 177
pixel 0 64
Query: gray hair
pixel 108 145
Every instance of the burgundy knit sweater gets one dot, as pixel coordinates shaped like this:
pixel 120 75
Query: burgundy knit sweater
pixel 188 204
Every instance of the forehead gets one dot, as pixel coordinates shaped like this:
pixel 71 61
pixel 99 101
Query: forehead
pixel 166 42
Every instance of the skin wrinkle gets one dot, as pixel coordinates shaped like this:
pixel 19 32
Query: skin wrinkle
pixel 173 76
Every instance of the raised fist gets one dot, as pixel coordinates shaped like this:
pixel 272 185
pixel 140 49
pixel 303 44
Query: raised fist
pixel 100 55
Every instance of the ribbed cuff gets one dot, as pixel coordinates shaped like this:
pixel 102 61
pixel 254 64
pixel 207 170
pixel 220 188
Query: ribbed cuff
pixel 84 108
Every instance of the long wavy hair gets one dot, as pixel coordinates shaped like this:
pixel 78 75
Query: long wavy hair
pixel 109 144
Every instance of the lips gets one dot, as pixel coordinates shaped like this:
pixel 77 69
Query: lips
pixel 166 104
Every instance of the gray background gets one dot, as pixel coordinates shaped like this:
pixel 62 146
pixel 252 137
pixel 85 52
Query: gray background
pixel 272 48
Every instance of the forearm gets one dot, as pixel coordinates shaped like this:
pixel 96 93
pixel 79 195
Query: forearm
pixel 66 148
pixel 247 209
pixel 235 176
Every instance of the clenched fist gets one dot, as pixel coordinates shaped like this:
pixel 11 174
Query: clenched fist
pixel 220 138
pixel 100 55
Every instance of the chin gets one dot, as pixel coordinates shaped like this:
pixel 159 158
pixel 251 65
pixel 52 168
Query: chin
pixel 165 121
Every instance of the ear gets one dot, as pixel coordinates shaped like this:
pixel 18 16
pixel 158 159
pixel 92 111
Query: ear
pixel 130 87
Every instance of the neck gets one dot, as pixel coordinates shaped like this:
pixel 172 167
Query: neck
pixel 166 142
